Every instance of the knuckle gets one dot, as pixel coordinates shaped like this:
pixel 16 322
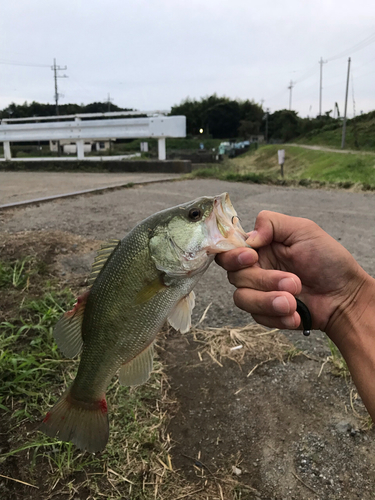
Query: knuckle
pixel 239 296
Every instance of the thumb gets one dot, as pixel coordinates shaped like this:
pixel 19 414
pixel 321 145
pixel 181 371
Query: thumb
pixel 272 226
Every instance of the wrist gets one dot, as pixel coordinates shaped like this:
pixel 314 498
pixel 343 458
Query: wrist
pixel 355 313
pixel 354 334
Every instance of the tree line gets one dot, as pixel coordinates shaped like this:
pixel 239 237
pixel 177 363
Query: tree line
pixel 217 117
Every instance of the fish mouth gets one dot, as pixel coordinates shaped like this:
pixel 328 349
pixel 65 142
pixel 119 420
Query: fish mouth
pixel 224 228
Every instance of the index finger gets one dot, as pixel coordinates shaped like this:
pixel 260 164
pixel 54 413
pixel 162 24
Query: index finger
pixel 237 259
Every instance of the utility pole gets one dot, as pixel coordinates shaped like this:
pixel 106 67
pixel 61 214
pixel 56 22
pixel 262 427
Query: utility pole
pixel 291 85
pixel 265 117
pixel 346 105
pixel 55 70
pixel 108 101
pixel 321 62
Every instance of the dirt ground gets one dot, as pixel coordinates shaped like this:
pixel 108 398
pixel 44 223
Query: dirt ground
pixel 293 429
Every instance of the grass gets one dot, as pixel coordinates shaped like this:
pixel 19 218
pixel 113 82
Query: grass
pixel 360 134
pixel 339 366
pixel 302 167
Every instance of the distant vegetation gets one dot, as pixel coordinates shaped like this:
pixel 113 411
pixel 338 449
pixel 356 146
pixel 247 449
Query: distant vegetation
pixel 221 117
pixel 39 109
pixel 360 133
pixel 217 117
pixel 303 167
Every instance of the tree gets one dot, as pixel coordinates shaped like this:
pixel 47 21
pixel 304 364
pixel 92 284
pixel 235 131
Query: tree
pixel 284 125
pixel 218 116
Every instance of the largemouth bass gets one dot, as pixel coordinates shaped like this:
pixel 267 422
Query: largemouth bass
pixel 136 285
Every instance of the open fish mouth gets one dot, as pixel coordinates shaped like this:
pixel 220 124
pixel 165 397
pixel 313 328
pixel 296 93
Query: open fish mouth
pixel 224 228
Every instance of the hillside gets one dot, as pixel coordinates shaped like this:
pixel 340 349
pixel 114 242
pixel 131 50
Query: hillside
pixel 360 134
pixel 302 166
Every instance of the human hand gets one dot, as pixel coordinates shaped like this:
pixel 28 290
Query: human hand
pixel 295 257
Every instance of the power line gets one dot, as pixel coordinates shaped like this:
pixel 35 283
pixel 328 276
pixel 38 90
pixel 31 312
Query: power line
pixel 14 63
pixel 358 46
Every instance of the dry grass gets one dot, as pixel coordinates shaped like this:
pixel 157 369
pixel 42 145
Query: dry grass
pixel 262 344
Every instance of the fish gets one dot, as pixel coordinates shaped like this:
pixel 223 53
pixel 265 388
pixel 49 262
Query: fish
pixel 136 285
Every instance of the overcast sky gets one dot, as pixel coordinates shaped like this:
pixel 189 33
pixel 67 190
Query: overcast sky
pixel 152 54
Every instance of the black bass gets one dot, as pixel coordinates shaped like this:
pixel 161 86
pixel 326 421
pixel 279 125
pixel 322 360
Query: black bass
pixel 137 284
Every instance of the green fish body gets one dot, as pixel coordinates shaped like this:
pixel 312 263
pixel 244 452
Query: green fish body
pixel 137 284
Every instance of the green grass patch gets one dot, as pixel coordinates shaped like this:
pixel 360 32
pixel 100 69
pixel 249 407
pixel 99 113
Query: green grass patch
pixel 302 167
pixel 360 134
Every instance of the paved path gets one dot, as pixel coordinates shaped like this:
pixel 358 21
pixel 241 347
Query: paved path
pixel 332 150
pixel 21 186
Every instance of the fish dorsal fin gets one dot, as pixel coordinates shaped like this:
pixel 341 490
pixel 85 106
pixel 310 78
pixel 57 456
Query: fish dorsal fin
pixel 68 330
pixel 137 371
pixel 101 258
pixel 180 316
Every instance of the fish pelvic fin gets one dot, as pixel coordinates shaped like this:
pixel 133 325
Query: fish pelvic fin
pixel 102 258
pixel 68 330
pixel 180 317
pixel 138 370
pixel 83 423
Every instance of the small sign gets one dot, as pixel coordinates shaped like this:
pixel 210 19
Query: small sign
pixel 281 156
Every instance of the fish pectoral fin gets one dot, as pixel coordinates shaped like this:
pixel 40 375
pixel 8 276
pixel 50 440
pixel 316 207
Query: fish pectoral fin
pixel 68 330
pixel 101 258
pixel 137 371
pixel 180 317
pixel 149 290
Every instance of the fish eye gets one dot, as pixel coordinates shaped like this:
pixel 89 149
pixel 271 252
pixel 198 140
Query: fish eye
pixel 195 214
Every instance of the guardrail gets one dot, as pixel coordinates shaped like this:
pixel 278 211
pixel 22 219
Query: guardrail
pixel 160 127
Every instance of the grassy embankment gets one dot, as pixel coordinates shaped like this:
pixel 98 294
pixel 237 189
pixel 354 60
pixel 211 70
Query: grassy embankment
pixel 360 134
pixel 302 167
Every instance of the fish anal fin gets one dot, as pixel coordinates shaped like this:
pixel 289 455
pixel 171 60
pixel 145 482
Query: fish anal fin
pixel 180 317
pixel 68 330
pixel 137 371
pixel 101 258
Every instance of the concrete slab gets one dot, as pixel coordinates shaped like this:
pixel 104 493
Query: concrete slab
pixel 22 186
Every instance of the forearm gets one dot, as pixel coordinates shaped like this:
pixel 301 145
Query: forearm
pixel 353 331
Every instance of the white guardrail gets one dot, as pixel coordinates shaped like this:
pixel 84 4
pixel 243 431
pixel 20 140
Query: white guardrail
pixel 159 127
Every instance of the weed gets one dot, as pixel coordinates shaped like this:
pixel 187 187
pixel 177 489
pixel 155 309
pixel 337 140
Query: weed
pixel 15 274
pixel 340 368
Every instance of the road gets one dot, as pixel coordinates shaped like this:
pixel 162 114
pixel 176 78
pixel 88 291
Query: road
pixel 21 186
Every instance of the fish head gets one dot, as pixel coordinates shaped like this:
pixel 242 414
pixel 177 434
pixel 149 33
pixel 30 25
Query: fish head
pixel 187 237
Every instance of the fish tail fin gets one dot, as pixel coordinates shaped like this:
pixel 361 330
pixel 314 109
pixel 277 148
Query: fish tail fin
pixel 83 423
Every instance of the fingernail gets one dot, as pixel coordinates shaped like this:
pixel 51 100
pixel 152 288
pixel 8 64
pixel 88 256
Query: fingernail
pixel 281 305
pixel 245 259
pixel 252 236
pixel 288 285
